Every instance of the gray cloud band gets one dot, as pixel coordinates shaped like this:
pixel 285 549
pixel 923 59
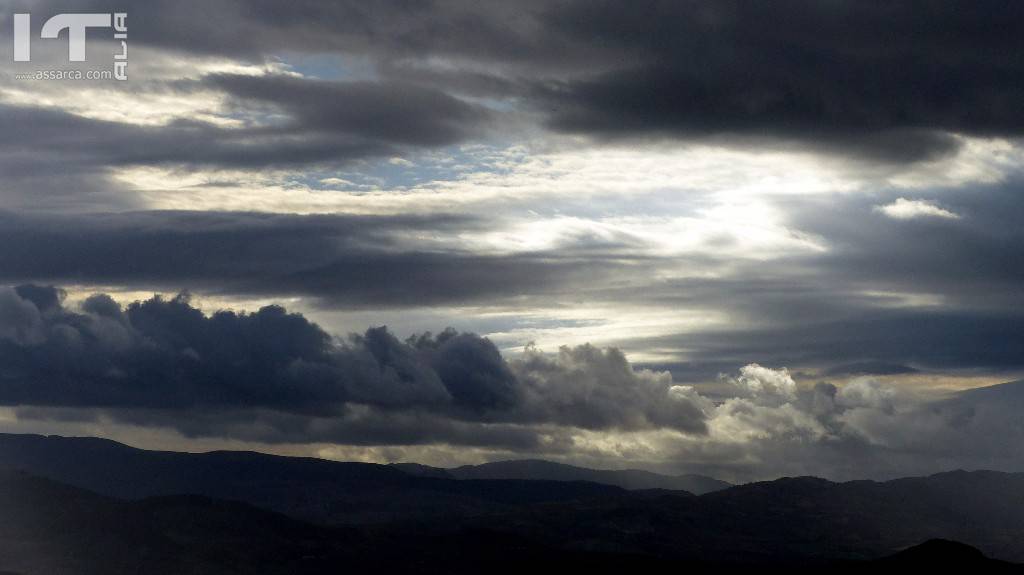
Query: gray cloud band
pixel 358 262
pixel 887 82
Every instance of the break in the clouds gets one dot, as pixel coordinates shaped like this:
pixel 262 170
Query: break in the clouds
pixel 612 204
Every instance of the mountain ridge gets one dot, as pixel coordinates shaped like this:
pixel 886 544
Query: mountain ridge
pixel 51 527
pixel 798 517
pixel 318 490
pixel 632 479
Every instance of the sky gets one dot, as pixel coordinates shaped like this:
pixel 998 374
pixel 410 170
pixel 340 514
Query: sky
pixel 746 239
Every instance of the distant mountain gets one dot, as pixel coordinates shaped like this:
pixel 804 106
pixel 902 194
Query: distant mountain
pixel 420 470
pixel 51 528
pixel 625 478
pixel 804 517
pixel 464 525
pixel 317 490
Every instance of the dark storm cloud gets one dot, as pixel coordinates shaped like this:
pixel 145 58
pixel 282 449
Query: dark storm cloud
pixel 883 80
pixel 254 29
pixel 165 357
pixel 343 261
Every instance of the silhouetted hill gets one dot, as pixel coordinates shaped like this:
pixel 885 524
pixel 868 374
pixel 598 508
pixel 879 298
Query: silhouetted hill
pixel 802 521
pixel 805 517
pixel 51 528
pixel 625 478
pixel 945 555
pixel 313 489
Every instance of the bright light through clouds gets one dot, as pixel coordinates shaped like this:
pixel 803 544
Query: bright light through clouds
pixel 688 201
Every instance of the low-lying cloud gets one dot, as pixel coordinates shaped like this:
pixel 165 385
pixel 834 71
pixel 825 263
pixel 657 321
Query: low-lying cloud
pixel 272 376
pixel 165 354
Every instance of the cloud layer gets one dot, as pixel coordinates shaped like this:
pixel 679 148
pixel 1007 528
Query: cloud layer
pixel 888 82
pixel 165 355
pixel 274 377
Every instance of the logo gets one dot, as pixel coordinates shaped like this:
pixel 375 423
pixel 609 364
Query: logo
pixel 76 25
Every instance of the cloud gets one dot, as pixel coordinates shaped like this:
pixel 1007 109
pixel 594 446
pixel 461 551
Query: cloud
pixel 869 368
pixel 869 81
pixel 904 209
pixel 318 122
pixel 20 321
pixel 764 384
pixel 933 340
pixel 768 251
pixel 253 29
pixel 866 80
pixel 928 296
pixel 596 389
pixel 344 261
pixel 273 377
pixel 165 356
pixel 396 112
pixel 861 429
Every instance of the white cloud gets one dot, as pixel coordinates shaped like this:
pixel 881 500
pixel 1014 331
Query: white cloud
pixel 904 209
pixel 764 384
